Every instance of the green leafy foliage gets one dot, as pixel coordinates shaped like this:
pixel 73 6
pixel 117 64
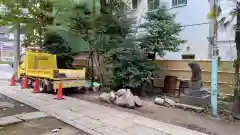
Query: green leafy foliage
pixel 124 63
pixel 55 44
pixel 34 16
pixel 162 32
pixel 129 66
pixel 106 27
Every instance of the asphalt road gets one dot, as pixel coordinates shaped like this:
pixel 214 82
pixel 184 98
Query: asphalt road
pixel 6 71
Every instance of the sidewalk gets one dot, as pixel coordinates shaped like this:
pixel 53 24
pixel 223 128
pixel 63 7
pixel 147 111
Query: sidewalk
pixel 92 118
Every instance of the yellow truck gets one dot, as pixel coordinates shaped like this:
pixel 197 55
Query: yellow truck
pixel 42 66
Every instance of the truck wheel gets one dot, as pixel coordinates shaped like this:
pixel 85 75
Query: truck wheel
pixel 49 86
pixel 42 86
pixel 21 81
pixel 30 83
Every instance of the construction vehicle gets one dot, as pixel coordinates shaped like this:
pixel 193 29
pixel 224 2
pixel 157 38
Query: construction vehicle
pixel 35 64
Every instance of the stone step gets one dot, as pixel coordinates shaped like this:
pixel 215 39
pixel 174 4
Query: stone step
pixel 31 116
pixel 4 121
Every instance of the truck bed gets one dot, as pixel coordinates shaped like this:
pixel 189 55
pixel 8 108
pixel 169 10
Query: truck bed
pixel 57 74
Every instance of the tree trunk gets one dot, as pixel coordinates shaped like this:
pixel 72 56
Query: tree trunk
pixel 100 70
pixel 100 64
pixel 102 3
pixel 236 103
pixel 92 67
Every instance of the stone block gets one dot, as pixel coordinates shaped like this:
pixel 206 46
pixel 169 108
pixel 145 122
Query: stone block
pixel 150 123
pixel 50 109
pixel 110 130
pixel 4 121
pixel 195 92
pixel 159 101
pixel 190 107
pixel 93 114
pixel 138 101
pixel 119 114
pixel 196 84
pixel 117 122
pixel 169 101
pixel 31 116
pixel 142 130
pixel 89 122
pixel 91 132
pixel 105 97
pixel 164 128
pixel 6 105
pixel 196 101
pixel 68 114
pixel 38 102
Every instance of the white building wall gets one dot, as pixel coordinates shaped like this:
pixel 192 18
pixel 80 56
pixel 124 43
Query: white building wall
pixel 193 17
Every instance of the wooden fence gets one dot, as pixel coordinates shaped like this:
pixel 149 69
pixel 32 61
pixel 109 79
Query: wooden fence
pixel 180 69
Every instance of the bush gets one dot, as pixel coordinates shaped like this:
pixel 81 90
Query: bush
pixel 129 66
pixel 162 32
pixel 54 44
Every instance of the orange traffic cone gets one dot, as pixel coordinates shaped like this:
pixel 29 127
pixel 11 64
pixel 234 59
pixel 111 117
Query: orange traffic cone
pixel 59 92
pixel 12 82
pixel 35 86
pixel 25 83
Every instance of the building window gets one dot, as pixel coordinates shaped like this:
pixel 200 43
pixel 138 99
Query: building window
pixel 153 4
pixel 151 56
pixel 176 3
pixel 188 56
pixel 134 4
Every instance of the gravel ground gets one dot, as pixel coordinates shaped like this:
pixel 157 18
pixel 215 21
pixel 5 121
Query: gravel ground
pixel 191 120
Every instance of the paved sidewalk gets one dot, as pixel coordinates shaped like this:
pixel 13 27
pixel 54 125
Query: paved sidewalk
pixel 92 118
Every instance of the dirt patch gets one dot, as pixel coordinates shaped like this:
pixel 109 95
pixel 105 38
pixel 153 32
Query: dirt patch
pixel 197 128
pixel 191 120
pixel 40 127
pixel 17 109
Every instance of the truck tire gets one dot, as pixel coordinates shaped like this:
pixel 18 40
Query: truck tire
pixel 30 83
pixel 42 86
pixel 21 81
pixel 49 86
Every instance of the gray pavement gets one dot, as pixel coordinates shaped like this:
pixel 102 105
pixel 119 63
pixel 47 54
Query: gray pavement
pixel 93 118
pixel 89 117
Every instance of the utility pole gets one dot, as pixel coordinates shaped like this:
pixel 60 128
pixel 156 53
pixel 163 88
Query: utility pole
pixel 213 41
pixel 17 47
pixel 236 104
